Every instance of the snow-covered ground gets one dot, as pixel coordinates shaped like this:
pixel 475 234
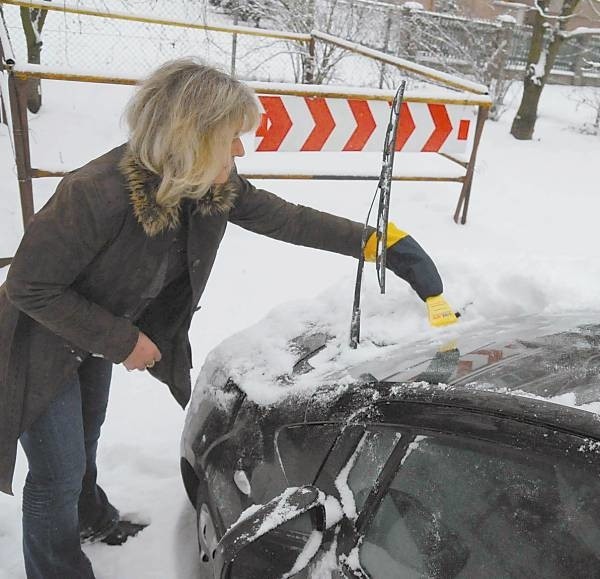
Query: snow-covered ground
pixel 530 246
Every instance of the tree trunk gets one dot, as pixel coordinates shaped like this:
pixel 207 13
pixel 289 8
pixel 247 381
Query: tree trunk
pixel 524 121
pixel 307 57
pixel 533 84
pixel 307 63
pixel 33 21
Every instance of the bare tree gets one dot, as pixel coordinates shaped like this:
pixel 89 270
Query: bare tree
pixel 549 33
pixel 342 18
pixel 459 45
pixel 590 97
pixel 33 20
pixel 448 6
pixel 495 73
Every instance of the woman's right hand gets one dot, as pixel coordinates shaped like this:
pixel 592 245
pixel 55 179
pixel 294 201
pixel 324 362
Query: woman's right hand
pixel 144 355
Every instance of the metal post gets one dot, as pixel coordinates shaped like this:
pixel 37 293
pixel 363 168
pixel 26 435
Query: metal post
pixel 408 44
pixel 579 61
pixel 3 115
pixel 17 88
pixel 310 68
pixel 234 44
pixel 386 45
pixel 465 194
pixel 497 67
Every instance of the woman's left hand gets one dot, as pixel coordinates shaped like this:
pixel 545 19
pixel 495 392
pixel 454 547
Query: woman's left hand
pixel 144 355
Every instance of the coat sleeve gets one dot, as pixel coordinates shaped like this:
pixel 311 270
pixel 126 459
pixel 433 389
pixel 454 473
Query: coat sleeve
pixel 262 212
pixel 62 239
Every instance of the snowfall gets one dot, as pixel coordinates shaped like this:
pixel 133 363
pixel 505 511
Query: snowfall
pixel 530 246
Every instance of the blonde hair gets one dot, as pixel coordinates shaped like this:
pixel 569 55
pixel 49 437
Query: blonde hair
pixel 182 120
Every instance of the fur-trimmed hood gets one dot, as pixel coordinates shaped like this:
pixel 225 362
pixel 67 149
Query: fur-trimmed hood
pixel 156 218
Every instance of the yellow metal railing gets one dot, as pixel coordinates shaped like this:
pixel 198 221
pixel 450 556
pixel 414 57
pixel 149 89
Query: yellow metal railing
pixel 24 71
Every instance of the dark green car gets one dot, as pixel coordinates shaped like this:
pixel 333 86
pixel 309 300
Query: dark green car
pixel 445 465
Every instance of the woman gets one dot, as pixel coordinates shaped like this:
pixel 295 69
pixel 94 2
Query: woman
pixel 111 271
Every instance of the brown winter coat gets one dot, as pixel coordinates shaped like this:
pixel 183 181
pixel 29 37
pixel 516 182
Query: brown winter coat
pixel 96 253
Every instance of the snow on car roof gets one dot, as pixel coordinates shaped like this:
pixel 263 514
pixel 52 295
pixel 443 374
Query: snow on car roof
pixel 395 337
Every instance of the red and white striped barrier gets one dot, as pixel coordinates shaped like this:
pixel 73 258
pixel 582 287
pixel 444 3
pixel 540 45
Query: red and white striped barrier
pixel 295 123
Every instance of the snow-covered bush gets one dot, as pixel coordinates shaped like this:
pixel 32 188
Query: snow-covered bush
pixel 588 97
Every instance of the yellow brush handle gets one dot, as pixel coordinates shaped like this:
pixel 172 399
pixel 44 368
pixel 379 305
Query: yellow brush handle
pixel 439 311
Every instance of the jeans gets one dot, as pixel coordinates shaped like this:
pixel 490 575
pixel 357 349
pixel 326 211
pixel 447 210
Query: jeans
pixel 60 489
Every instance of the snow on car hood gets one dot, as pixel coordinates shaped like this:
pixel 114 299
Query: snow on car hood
pixel 395 336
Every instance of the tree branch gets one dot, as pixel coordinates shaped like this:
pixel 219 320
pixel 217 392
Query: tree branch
pixel 556 17
pixel 580 31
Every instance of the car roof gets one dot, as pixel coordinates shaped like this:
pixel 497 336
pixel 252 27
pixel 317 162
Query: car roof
pixel 351 404
pixel 528 367
pixel 551 357
pixel 543 369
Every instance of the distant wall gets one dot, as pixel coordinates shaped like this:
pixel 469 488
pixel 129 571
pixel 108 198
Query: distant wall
pixel 489 10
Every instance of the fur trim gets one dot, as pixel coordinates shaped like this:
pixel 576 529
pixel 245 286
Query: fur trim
pixel 156 218
pixel 219 199
pixel 142 185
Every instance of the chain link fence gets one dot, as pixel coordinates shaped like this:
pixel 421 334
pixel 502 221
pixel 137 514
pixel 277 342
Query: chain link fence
pixel 492 53
pixel 84 42
pixel 469 47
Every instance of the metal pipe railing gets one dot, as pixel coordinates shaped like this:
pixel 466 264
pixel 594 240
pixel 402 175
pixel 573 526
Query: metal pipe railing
pixel 68 8
pixel 324 91
pixel 419 69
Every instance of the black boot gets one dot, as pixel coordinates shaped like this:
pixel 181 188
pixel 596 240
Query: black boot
pixel 100 521
pixel 97 517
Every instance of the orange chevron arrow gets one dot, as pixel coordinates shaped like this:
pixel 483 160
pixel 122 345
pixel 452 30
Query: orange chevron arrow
pixel 443 128
pixel 275 125
pixel 406 126
pixel 324 124
pixel 365 125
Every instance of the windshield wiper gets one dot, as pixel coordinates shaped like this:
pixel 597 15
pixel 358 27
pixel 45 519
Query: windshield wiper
pixel 384 187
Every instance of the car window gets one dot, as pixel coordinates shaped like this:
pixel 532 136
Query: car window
pixel 463 508
pixel 302 449
pixel 299 452
pixel 371 455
